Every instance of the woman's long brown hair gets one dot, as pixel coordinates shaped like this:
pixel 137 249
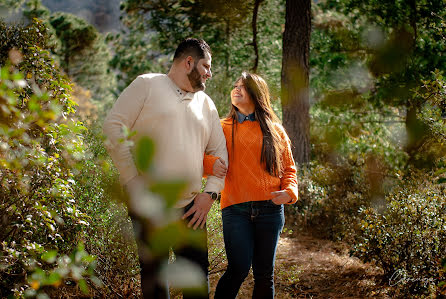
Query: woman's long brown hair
pixel 272 146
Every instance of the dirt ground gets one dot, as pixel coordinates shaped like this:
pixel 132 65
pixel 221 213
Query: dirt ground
pixel 309 267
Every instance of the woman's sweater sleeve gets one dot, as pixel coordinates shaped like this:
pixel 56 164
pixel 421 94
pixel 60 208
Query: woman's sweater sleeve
pixel 288 181
pixel 208 164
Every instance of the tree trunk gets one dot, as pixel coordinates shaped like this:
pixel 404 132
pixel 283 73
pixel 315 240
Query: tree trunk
pixel 254 34
pixel 295 77
pixel 228 46
pixel 417 134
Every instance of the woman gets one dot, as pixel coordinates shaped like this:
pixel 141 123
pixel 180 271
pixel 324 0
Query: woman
pixel 260 179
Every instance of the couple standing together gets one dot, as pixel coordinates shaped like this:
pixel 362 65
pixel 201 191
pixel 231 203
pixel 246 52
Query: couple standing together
pixel 191 142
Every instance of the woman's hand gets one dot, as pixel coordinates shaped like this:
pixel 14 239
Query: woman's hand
pixel 280 197
pixel 219 169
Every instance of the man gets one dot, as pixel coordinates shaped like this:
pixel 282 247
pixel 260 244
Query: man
pixel 182 120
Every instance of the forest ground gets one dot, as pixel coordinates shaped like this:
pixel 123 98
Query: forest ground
pixel 311 267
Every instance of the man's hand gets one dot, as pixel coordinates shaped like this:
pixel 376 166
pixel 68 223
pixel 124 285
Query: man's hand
pixel 202 204
pixel 280 197
pixel 219 169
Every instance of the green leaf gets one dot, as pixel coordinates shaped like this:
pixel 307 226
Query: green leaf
pixel 4 74
pixel 28 293
pixel 49 256
pixel 441 180
pixel 170 191
pixel 145 150
pixel 163 238
pixel 97 281
pixel 89 258
pixel 53 278
pixel 80 246
pixel 38 275
pixel 42 296
pixel 83 286
pixel 195 238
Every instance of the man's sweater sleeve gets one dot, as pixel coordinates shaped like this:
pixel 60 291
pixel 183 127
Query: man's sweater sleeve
pixel 216 147
pixel 124 114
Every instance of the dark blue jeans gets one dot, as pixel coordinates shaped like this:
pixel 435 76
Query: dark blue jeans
pixel 251 232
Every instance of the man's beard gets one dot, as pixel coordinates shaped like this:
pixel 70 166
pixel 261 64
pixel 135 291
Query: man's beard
pixel 195 80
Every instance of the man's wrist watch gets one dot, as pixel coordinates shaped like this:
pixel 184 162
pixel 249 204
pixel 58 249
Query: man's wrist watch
pixel 214 195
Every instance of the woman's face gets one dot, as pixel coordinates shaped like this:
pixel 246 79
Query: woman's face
pixel 241 99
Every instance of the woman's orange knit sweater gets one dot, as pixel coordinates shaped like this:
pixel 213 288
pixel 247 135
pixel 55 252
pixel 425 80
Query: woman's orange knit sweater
pixel 247 178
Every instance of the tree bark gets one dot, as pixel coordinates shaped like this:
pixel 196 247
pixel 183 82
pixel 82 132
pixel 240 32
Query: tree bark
pixel 295 77
pixel 254 34
pixel 228 46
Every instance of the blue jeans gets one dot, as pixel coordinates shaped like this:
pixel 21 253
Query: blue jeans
pixel 251 232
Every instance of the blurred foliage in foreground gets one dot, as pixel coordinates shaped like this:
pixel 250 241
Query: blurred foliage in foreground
pixel 159 228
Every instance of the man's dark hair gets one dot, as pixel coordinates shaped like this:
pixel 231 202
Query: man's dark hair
pixel 192 47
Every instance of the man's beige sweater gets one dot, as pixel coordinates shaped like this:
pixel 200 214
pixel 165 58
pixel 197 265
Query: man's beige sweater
pixel 183 126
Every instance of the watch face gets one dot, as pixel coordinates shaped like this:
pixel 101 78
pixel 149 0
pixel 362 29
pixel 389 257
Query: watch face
pixel 213 195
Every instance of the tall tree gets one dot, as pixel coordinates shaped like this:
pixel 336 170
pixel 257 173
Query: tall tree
pixel 79 48
pixel 254 34
pixel 242 34
pixel 295 77
pixel 165 23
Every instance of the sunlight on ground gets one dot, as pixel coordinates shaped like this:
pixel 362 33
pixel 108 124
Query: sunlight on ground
pixel 307 267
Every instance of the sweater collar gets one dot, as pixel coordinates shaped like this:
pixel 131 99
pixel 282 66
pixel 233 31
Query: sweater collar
pixel 241 117
pixel 182 94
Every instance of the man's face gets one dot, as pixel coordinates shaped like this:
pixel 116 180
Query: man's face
pixel 200 73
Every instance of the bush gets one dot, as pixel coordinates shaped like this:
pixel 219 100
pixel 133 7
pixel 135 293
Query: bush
pixel 355 162
pixel 109 236
pixel 39 148
pixel 55 179
pixel 216 247
pixel 331 193
pixel 408 240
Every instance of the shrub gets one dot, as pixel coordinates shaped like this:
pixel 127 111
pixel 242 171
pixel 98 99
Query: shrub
pixel 39 147
pixel 408 240
pixel 331 193
pixel 355 163
pixel 216 246
pixel 109 236
pixel 53 186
